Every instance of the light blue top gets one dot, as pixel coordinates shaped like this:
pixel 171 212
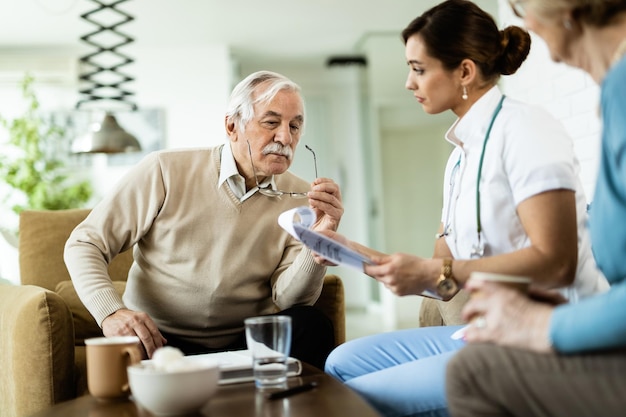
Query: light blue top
pixel 600 322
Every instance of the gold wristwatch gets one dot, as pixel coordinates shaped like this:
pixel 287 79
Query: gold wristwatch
pixel 447 286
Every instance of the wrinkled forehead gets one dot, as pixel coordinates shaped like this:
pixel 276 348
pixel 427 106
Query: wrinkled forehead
pixel 284 103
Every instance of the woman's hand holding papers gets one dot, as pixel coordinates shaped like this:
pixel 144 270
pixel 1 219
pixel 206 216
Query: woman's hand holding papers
pixel 404 274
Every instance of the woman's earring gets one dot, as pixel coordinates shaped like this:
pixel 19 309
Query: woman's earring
pixel 464 96
pixel 567 24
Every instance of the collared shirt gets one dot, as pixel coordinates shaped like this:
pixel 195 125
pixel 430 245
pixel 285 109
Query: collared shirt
pixel 237 183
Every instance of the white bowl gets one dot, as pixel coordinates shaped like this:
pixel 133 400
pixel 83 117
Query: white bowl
pixel 173 392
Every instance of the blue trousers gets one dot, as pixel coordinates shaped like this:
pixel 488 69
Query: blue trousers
pixel 399 373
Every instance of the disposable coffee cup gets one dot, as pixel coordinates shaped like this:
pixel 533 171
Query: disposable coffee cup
pixel 269 341
pixel 519 283
pixel 107 360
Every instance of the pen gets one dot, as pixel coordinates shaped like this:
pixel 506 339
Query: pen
pixel 291 391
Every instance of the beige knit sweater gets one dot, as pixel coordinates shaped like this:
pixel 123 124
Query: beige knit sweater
pixel 203 261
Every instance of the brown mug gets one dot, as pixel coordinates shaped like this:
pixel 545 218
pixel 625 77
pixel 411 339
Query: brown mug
pixel 107 360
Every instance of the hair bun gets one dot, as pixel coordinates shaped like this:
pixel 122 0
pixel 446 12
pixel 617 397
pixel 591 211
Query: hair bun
pixel 515 43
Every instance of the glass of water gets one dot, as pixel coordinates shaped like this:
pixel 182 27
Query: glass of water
pixel 269 342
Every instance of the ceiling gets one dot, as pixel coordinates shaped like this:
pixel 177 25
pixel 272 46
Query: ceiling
pixel 286 30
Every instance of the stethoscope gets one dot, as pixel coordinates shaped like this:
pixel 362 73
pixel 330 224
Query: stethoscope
pixel 478 248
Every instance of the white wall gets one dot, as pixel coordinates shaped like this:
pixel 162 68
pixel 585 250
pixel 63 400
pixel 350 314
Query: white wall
pixel 568 93
pixel 413 161
pixel 192 84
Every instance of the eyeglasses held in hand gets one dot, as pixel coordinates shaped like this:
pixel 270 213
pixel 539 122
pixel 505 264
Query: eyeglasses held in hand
pixel 270 192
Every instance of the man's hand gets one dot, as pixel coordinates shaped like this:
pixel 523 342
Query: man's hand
pixel 126 322
pixel 325 200
pixel 335 236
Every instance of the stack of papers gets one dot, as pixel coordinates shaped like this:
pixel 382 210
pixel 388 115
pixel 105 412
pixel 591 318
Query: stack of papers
pixel 297 223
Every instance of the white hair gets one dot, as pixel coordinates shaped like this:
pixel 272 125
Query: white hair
pixel 240 108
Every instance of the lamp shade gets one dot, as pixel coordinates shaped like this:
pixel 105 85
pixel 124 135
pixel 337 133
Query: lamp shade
pixel 106 137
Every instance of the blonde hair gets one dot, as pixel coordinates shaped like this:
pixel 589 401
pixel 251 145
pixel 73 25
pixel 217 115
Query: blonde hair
pixel 592 12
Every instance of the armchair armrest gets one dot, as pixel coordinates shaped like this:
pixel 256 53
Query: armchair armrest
pixel 332 303
pixel 36 350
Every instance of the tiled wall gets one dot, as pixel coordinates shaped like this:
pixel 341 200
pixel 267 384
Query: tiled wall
pixel 569 94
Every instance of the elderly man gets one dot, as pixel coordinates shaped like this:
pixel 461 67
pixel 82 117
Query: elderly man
pixel 208 251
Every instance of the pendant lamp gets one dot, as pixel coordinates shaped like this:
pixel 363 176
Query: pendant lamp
pixel 106 137
pixel 103 83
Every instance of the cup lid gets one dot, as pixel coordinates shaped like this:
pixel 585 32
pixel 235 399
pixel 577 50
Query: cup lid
pixel 490 276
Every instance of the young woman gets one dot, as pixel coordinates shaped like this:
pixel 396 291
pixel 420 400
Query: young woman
pixel 570 359
pixel 513 204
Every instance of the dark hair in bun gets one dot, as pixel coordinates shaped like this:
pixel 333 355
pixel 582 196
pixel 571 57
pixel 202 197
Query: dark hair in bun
pixel 458 29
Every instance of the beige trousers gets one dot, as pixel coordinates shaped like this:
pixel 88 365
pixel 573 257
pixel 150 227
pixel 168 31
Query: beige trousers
pixel 486 380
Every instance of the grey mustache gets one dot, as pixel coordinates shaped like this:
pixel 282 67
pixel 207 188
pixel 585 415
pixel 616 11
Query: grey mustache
pixel 279 149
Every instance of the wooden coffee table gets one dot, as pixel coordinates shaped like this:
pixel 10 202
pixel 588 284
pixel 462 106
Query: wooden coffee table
pixel 329 399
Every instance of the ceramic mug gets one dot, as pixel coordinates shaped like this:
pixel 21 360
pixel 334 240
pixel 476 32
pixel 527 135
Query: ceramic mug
pixel 107 360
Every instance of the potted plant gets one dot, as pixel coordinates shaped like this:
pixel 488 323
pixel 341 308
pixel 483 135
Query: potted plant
pixel 32 174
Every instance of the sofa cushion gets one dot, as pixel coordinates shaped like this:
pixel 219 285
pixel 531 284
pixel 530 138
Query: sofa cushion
pixel 43 234
pixel 85 325
pixel 41 243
